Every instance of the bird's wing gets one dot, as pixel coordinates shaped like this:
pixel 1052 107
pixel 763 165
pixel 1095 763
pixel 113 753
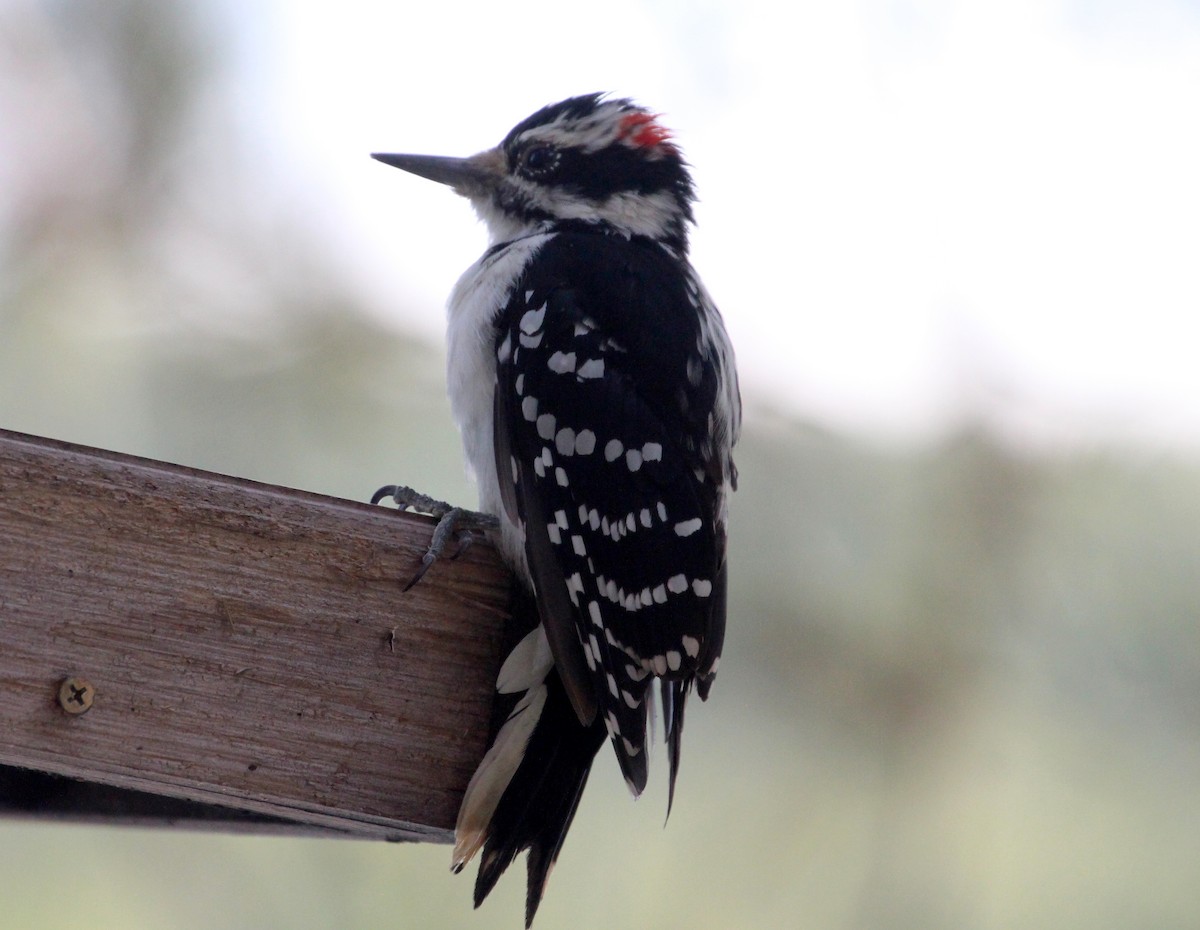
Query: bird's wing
pixel 606 432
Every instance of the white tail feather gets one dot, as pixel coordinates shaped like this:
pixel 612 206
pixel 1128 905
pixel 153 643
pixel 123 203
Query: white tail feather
pixel 494 773
pixel 527 665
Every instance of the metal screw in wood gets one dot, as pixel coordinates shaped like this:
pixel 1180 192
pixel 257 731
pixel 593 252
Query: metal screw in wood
pixel 75 695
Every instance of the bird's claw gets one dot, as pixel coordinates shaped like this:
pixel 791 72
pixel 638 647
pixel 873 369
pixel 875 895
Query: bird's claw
pixel 453 522
pixel 405 498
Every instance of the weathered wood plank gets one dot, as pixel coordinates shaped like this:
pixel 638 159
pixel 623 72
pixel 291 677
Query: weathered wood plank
pixel 249 645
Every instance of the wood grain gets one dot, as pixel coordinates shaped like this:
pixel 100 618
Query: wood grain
pixel 250 648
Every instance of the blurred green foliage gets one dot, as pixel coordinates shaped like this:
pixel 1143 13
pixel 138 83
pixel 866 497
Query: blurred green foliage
pixel 961 686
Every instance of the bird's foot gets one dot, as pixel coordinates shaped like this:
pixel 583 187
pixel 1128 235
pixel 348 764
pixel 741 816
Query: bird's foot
pixel 453 522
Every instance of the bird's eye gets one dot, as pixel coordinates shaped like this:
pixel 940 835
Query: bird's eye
pixel 538 160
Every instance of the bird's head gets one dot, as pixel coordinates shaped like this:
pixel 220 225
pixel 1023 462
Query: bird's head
pixel 588 160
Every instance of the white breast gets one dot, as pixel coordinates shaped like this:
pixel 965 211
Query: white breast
pixel 474 305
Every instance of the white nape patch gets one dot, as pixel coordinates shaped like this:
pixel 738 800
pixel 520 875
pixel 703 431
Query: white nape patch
pixel 560 476
pixel 652 452
pixel 644 516
pixel 577 545
pixel 546 426
pixel 702 587
pixel 527 665
pixel 531 320
pixel 561 362
pixel 691 645
pixel 592 368
pixel 677 584
pixel 650 215
pixel 613 449
pixel 659 594
pixel 585 442
pixel 554 533
pixel 594 613
pixel 630 701
pixel 564 441
pixel 688 527
pixel 529 408
pixel 674 660
pixel 633 458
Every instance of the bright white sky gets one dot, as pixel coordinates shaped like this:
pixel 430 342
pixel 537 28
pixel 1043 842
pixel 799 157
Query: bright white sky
pixel 910 210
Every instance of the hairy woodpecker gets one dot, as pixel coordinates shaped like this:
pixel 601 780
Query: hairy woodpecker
pixel 595 390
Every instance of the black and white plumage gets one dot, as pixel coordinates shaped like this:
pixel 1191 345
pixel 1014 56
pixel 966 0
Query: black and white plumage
pixel 595 389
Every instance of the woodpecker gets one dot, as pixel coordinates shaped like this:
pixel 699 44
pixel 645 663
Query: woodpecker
pixel 594 386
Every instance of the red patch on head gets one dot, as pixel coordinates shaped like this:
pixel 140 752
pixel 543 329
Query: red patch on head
pixel 641 129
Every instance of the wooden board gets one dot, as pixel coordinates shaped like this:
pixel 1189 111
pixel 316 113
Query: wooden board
pixel 249 646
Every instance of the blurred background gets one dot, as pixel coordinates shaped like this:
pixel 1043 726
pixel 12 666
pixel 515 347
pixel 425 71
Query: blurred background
pixel 956 245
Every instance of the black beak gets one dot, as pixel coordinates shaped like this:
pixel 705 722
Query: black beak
pixel 468 176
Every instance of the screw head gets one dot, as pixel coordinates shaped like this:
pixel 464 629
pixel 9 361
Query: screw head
pixel 76 694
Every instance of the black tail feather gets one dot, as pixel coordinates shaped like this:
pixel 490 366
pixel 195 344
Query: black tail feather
pixel 539 803
pixel 716 636
pixel 537 806
pixel 674 699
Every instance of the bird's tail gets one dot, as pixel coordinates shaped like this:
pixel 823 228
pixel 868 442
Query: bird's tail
pixel 526 790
